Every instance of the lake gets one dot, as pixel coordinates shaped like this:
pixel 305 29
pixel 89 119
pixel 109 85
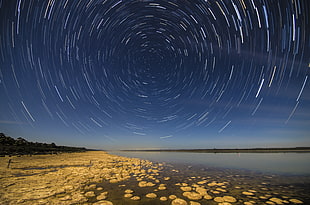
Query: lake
pixel 248 178
pixel 278 163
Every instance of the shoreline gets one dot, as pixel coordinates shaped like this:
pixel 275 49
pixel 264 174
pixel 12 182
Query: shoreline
pixel 101 178
pixel 58 179
pixel 249 150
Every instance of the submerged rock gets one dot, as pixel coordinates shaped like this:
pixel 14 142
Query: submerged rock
pixel 90 194
pixel 186 188
pixel 229 199
pixel 142 184
pixel 194 203
pixel 192 195
pixel 218 199
pixel 135 198
pixel 102 196
pixel 276 200
pixel 151 195
pixel 65 198
pixel 178 201
pixel 247 193
pixel 103 202
pixel 163 198
pixel 296 201
pixel 128 191
pixel 128 195
pixel 207 196
pixel 201 191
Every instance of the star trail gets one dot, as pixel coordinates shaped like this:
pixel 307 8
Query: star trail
pixel 156 74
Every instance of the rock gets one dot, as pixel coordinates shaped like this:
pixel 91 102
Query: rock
pixel 224 203
pixel 207 196
pixel 103 202
pixel 285 197
pixel 90 194
pixel 60 191
pixel 229 199
pixel 194 203
pixel 276 200
pixel 77 197
pixel 186 188
pixel 247 203
pixel 172 197
pixel 101 197
pixel 218 199
pixel 296 201
pixel 151 195
pixel 128 191
pixel 163 198
pixel 38 194
pixel 212 184
pixel 270 202
pixel 201 191
pixel 135 198
pixel 128 195
pixel 192 195
pixel 42 202
pixel 178 201
pixel 247 193
pixel 113 181
pixel 162 188
pixel 65 198
pixel 150 184
pixel 142 184
pixel 166 178
pixel 202 182
pixel 68 187
pixel 92 186
pixel 221 190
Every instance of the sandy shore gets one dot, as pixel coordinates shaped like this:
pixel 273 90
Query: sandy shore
pixel 96 177
pixel 59 179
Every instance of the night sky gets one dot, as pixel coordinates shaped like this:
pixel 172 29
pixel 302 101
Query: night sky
pixel 156 74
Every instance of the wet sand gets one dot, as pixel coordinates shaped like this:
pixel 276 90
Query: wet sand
pixel 97 177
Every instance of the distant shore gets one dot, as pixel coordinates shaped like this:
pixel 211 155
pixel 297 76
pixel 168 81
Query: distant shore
pixel 249 150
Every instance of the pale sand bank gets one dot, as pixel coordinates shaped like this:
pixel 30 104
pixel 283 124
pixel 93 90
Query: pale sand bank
pixel 42 179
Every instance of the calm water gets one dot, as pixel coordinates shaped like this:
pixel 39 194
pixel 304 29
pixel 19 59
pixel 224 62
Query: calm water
pixel 280 163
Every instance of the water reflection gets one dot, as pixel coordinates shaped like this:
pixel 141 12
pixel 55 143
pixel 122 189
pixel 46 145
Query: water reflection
pixel 279 163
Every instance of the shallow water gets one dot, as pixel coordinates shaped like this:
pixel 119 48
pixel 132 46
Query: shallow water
pixel 278 163
pixel 230 180
pixel 235 182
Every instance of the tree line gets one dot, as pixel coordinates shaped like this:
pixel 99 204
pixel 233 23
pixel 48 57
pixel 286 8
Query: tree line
pixel 20 146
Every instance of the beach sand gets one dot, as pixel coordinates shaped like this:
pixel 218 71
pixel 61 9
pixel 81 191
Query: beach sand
pixel 96 177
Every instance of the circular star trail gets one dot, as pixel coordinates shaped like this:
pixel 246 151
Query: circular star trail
pixel 120 70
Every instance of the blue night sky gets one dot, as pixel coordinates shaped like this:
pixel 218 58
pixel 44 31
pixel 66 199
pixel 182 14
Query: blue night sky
pixel 143 74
